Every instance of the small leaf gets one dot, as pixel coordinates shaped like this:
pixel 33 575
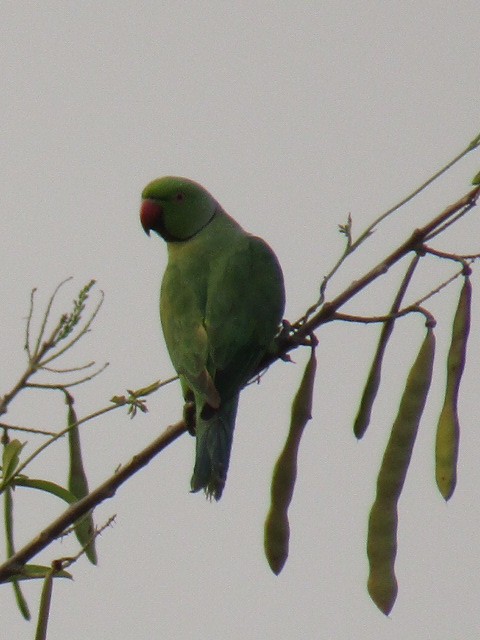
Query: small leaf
pixel 277 528
pixel 145 391
pixel 11 457
pixel 476 179
pixel 37 571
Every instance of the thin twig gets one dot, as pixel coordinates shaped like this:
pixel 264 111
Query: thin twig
pixel 45 318
pixel 471 146
pixel 103 492
pixel 37 359
pixel 79 335
pixel 68 561
pixel 66 385
pixel 70 369
pixel 441 286
pixel 451 256
pixel 346 229
pixel 27 328
pixel 449 223
pixel 347 317
pixel 13 427
pixel 117 402
pixel 413 243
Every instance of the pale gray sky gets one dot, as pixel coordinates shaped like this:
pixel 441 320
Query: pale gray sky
pixel 292 115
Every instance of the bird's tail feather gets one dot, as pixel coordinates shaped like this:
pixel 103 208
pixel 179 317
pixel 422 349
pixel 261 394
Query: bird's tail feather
pixel 213 445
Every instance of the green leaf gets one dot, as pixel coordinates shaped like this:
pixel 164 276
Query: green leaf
pixel 11 457
pixel 47 486
pixel 37 571
pixel 145 391
pixel 476 179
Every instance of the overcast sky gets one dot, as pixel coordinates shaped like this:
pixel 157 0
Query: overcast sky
pixel 293 115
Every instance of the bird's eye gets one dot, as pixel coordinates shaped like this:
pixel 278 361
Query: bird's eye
pixel 180 196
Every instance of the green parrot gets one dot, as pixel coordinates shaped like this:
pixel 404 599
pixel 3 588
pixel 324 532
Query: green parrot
pixel 221 304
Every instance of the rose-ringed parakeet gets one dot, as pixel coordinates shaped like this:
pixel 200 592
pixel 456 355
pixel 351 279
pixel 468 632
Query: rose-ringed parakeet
pixel 221 303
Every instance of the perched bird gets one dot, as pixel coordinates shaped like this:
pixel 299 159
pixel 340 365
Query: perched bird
pixel 221 303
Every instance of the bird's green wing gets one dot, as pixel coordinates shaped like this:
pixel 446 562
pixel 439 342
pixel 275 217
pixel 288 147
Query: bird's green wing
pixel 245 303
pixel 182 313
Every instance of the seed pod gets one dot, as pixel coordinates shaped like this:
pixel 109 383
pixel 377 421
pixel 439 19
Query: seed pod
pixel 44 609
pixel 382 526
pixel 362 419
pixel 8 513
pixel 277 528
pixel 448 428
pixel 78 485
pixel 370 391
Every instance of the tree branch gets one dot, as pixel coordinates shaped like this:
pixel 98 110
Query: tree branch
pixel 414 243
pixel 295 336
pixel 106 490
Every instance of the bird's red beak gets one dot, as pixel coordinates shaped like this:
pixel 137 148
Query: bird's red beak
pixel 151 213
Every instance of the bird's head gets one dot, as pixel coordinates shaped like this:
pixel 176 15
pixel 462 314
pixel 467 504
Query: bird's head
pixel 176 208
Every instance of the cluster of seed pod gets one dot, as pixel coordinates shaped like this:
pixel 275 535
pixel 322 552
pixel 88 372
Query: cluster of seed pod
pixel 382 531
pixel 383 520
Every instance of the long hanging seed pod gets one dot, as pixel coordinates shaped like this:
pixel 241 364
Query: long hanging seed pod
pixel 277 528
pixel 362 419
pixel 448 428
pixel 382 526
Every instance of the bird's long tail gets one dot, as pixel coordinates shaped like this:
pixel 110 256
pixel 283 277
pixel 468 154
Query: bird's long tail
pixel 213 445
